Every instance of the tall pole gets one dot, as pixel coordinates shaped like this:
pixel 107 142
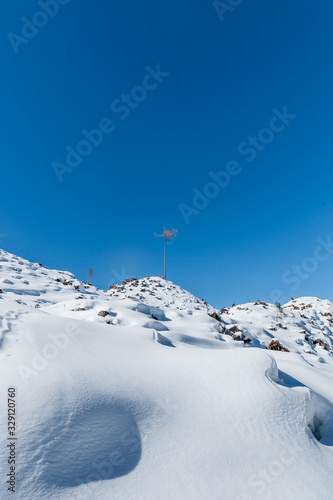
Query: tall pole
pixel 165 245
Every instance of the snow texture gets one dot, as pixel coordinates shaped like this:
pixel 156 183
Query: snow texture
pixel 162 396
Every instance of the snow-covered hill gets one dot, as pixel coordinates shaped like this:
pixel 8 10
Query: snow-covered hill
pixel 145 391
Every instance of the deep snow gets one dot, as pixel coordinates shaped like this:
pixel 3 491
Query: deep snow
pixel 153 398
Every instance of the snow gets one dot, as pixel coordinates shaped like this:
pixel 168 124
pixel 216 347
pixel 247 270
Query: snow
pixel 156 399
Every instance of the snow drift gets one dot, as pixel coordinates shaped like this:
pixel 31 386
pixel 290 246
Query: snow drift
pixel 162 396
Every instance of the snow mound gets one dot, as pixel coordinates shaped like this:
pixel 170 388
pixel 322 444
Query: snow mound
pixel 145 392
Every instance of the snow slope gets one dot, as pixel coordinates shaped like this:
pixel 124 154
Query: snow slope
pixel 138 393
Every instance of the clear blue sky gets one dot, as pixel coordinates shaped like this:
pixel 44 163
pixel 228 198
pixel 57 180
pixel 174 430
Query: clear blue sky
pixel 220 82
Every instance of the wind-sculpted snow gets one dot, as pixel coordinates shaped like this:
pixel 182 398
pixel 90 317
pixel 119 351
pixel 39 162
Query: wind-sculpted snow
pixel 145 392
pixel 104 437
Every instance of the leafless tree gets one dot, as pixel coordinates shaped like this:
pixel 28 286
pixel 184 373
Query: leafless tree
pixel 279 311
pixel 91 274
pixel 169 237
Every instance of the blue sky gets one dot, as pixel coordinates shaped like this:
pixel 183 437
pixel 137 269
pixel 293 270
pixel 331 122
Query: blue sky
pixel 215 87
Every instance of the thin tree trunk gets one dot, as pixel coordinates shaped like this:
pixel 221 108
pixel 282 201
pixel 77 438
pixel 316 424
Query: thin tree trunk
pixel 165 245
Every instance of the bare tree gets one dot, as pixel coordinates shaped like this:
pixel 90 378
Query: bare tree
pixel 279 311
pixel 91 274
pixel 169 237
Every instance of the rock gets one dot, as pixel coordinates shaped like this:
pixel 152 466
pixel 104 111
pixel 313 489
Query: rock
pixel 103 313
pixel 214 315
pixel 238 336
pixel 129 280
pixel 81 309
pixel 263 304
pixel 275 345
pixel 233 329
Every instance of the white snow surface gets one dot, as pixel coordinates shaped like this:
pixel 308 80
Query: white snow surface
pixel 137 393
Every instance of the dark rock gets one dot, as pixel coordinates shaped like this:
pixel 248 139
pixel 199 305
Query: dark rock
pixel 275 345
pixel 103 313
pixel 263 304
pixel 233 329
pixel 214 315
pixel 238 336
